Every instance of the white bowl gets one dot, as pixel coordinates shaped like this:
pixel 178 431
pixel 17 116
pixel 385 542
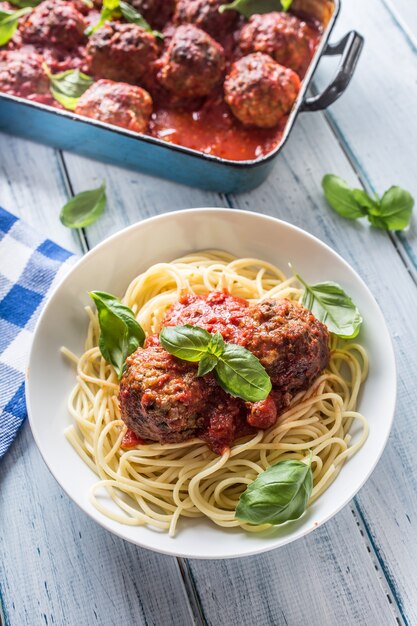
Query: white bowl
pixel 110 267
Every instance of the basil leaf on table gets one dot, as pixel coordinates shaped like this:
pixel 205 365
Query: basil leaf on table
pixel 332 306
pixel 84 208
pixel 391 212
pixel 120 333
pixel 279 494
pixel 237 370
pixel 9 21
pixel 395 210
pixel 67 87
pixel 242 375
pixel 250 7
pixel 341 197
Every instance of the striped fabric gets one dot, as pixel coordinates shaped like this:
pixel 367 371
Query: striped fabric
pixel 30 267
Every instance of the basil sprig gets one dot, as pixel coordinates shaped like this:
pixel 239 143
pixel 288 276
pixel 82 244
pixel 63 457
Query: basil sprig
pixel 120 333
pixel 391 212
pixel 115 9
pixel 332 306
pixel 9 21
pixel 237 370
pixel 25 3
pixel 280 494
pixel 84 208
pixel 67 87
pixel 250 7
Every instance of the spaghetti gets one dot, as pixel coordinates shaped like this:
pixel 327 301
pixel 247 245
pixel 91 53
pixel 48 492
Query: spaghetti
pixel 157 484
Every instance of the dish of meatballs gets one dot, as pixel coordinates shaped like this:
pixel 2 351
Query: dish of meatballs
pixel 184 71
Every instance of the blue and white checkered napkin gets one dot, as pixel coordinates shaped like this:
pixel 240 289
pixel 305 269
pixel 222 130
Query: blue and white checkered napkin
pixel 30 266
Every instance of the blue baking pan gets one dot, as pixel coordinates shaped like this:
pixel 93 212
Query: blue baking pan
pixel 112 144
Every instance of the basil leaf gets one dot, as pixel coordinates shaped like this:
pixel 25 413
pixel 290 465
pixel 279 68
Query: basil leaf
pixel 280 494
pixel 67 87
pixel 242 375
pixel 114 9
pixel 207 364
pixel 250 7
pixel 342 198
pixel 216 345
pixel 189 343
pixel 120 333
pixel 395 210
pixel 134 17
pixel 9 22
pixel 332 306
pixel 25 3
pixel 84 208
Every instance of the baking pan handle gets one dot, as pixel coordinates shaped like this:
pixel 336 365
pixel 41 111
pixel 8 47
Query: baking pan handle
pixel 350 47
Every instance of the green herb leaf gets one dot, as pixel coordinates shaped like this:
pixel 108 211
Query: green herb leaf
pixel 250 7
pixel 392 212
pixel 332 306
pixel 207 364
pixel 395 210
pixel 280 494
pixel 342 198
pixel 67 87
pixel 115 9
pixel 237 370
pixel 25 3
pixel 9 21
pixel 120 333
pixel 134 17
pixel 242 375
pixel 189 343
pixel 84 208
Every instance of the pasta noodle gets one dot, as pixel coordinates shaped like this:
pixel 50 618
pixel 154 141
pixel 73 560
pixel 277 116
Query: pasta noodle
pixel 159 484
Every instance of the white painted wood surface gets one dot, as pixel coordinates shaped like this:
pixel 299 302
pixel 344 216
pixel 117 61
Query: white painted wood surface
pixel 360 568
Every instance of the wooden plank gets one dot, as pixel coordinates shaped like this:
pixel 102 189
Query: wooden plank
pixel 33 187
pixel 405 14
pixel 375 119
pixel 285 195
pixel 60 567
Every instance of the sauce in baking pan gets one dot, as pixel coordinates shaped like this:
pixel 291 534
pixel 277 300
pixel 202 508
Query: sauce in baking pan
pixel 217 83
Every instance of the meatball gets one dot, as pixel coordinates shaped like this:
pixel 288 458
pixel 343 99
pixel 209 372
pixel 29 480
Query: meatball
pixel 193 63
pixel 286 38
pixel 156 12
pixel 259 91
pixel 161 397
pixel 117 103
pixel 54 23
pixel 291 344
pixel 205 14
pixel 22 74
pixel 122 52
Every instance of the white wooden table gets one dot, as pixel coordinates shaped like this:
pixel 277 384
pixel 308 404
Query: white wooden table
pixel 58 567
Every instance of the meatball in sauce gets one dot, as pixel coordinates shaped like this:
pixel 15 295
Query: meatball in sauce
pixel 193 63
pixel 122 52
pixel 259 91
pixel 162 398
pixel 120 104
